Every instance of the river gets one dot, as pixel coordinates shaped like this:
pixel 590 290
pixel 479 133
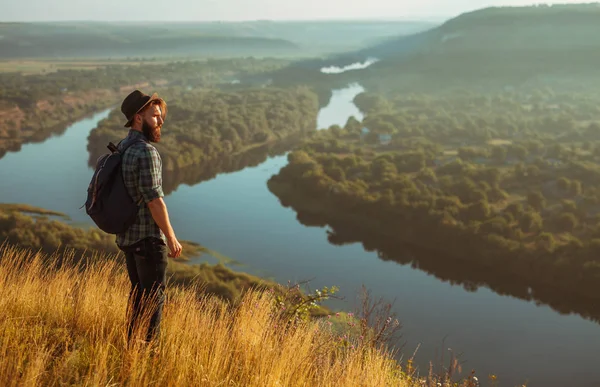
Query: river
pixel 236 215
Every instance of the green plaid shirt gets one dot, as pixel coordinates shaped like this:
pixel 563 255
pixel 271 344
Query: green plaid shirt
pixel 142 175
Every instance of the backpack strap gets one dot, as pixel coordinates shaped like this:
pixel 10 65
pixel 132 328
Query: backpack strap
pixel 115 148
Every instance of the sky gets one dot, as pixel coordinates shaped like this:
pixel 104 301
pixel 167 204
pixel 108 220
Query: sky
pixel 228 10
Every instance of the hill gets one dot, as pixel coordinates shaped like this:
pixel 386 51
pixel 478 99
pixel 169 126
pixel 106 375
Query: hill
pixel 66 325
pixel 506 45
pixel 56 40
pixel 504 28
pixel 121 39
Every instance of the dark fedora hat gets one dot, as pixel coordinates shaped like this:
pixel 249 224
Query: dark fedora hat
pixel 135 102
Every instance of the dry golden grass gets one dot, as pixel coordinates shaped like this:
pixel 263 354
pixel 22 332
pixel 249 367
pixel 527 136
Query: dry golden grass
pixel 67 326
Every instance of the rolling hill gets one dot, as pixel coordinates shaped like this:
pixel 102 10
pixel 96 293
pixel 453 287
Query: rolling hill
pixel 506 45
pixel 61 40
pixel 151 39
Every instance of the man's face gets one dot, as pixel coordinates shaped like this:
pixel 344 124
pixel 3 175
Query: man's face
pixel 152 122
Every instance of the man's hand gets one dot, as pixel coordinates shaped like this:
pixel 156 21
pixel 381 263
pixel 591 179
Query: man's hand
pixel 175 247
pixel 158 209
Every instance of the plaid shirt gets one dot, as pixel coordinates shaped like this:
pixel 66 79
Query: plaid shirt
pixel 142 174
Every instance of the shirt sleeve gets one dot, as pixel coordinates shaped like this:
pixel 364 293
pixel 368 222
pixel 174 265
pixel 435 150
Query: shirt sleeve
pixel 150 174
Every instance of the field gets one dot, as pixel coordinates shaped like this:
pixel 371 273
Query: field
pixel 45 66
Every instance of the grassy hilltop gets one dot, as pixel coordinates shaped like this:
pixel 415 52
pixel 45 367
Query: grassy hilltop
pixel 67 326
pixel 65 296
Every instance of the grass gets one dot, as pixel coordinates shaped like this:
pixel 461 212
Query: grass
pixel 67 326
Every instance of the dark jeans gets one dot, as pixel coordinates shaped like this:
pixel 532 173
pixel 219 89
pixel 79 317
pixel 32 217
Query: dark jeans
pixel 147 269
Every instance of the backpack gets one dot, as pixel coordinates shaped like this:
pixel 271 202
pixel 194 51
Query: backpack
pixel 108 203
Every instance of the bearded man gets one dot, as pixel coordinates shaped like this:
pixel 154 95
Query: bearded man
pixel 145 242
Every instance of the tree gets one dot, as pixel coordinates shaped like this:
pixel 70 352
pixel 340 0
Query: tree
pixel 536 200
pixel 336 130
pixel 575 188
pixel 569 206
pixel 477 211
pixel 353 125
pixel 563 184
pixel 427 175
pixel 496 225
pixel 520 171
pixel 336 173
pixel 499 154
pixel 531 222
pixel 567 222
pixel 496 194
pixel 520 152
pixel 382 169
pixel 546 241
pixel 533 171
pixel 516 209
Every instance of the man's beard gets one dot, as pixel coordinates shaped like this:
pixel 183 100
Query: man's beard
pixel 152 134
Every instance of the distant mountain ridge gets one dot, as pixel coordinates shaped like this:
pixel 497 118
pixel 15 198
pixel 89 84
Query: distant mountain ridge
pixel 493 29
pixel 35 40
pixel 72 39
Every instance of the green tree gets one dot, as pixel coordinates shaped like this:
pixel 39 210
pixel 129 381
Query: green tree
pixel 382 169
pixel 531 222
pixel 499 154
pixel 575 188
pixel 563 184
pixel 567 222
pixel 478 211
pixel 536 200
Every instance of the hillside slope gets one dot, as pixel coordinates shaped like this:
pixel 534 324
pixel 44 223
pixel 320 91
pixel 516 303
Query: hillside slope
pixel 80 39
pixel 496 41
pixel 66 326
pixel 56 40
pixel 555 28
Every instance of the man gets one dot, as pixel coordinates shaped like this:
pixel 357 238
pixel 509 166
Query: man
pixel 145 241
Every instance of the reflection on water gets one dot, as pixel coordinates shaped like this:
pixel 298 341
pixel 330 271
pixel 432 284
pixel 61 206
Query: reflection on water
pixel 500 325
pixel 210 169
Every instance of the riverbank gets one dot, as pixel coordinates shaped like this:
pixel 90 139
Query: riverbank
pixel 456 255
pixel 35 106
pixel 204 126
pixel 48 116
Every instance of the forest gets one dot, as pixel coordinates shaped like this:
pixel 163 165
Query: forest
pixel 36 106
pixel 204 125
pixel 505 182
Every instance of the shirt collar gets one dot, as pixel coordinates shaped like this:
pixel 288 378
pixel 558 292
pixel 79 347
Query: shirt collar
pixel 135 134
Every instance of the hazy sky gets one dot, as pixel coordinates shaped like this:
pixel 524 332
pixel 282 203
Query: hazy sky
pixel 37 10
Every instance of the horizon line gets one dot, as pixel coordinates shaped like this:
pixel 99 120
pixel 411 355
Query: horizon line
pixel 409 18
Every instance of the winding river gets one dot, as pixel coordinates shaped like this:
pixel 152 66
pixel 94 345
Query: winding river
pixel 236 215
